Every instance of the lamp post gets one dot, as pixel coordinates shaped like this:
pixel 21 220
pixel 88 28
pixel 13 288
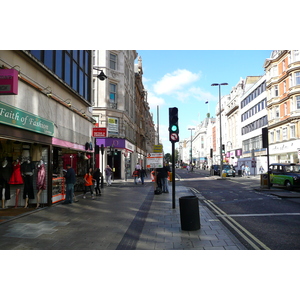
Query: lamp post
pixel 191 129
pixel 221 155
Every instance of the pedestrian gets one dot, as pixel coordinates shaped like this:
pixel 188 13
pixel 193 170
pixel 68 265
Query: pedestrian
pixel 70 181
pixel 135 175
pixel 261 170
pixel 143 174
pixel 164 178
pixel 247 170
pixel 243 170
pixel 159 178
pixel 138 166
pixel 108 173
pixel 97 176
pixel 88 183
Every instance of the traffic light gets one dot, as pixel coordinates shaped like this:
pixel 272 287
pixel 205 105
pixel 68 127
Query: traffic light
pixel 223 148
pixel 173 124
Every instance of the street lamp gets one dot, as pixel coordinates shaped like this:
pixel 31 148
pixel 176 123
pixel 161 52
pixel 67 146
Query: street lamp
pixel 191 129
pixel 221 155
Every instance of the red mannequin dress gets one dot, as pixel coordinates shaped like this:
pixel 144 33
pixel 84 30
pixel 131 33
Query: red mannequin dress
pixel 16 177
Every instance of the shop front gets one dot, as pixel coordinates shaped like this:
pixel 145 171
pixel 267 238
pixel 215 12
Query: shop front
pixel 286 152
pixel 80 157
pixel 25 145
pixel 117 154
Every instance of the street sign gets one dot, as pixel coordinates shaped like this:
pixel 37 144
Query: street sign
pixel 99 132
pixel 158 148
pixel 174 137
pixel 155 160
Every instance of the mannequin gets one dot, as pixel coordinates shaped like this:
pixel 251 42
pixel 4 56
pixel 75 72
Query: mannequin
pixel 27 169
pixel 40 181
pixel 16 179
pixel 5 172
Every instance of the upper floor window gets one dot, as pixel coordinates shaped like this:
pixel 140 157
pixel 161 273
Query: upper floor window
pixel 275 71
pixel 113 61
pixel 292 131
pixel 297 78
pixel 297 102
pixel 113 93
pixel 72 66
pixel 277 112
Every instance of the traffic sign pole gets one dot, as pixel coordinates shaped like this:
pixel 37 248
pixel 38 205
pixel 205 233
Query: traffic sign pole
pixel 173 175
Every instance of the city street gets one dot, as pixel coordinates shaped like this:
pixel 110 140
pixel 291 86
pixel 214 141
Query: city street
pixel 258 217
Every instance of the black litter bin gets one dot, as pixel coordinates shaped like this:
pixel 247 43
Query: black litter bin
pixel 189 213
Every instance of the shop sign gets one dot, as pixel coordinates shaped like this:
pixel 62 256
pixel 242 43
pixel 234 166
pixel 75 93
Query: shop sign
pixel 113 125
pixel 128 146
pixel 8 82
pixel 99 132
pixel 13 116
pixel 155 160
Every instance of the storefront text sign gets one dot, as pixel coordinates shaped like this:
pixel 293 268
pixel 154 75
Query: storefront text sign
pixel 8 82
pixel 99 132
pixel 13 116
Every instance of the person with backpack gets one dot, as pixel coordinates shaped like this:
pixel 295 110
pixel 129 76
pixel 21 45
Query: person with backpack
pixel 136 175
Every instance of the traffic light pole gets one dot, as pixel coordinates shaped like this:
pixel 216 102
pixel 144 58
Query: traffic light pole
pixel 173 175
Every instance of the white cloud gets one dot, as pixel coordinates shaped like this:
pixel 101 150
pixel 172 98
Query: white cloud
pixel 154 101
pixel 174 82
pixel 201 95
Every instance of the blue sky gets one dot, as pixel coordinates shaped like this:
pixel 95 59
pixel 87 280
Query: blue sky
pixel 183 78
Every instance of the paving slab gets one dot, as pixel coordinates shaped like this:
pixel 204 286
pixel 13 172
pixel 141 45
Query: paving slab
pixel 125 217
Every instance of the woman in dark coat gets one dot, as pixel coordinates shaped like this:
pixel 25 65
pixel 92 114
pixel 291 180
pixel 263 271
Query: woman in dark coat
pixel 97 176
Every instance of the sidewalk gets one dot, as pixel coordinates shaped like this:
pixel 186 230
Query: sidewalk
pixel 125 217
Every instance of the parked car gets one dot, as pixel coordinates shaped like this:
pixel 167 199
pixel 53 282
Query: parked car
pixel 229 170
pixel 215 170
pixel 285 174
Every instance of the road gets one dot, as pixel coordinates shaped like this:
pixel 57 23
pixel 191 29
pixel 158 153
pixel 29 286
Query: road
pixel 258 218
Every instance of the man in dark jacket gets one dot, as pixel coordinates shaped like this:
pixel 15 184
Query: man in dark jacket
pixel 70 181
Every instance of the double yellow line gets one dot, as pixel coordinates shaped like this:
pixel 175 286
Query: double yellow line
pixel 255 243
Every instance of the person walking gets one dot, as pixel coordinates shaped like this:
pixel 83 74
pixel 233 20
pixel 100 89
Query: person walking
pixel 97 176
pixel 70 181
pixel 136 175
pixel 108 173
pixel 261 169
pixel 143 174
pixel 247 170
pixel 243 170
pixel 164 178
pixel 88 183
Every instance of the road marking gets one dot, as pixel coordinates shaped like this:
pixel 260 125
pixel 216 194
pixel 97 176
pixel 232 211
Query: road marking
pixel 264 215
pixel 243 232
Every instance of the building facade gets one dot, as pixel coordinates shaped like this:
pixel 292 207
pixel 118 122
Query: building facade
pixel 283 103
pixel 46 121
pixel 254 117
pixel 120 106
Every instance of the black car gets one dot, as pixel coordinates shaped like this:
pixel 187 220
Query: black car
pixel 215 170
